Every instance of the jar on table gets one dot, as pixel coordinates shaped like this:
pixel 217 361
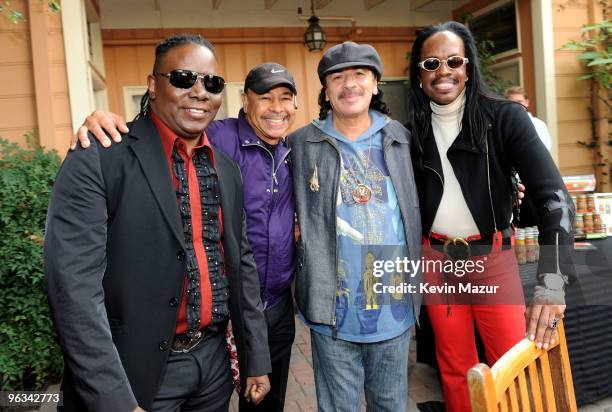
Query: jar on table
pixel 530 246
pixel 519 246
pixel 536 236
pixel 579 225
pixel 581 205
pixel 591 202
pixel 588 223
pixel 597 223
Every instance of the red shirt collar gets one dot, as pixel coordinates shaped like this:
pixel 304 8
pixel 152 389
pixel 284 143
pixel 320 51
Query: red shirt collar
pixel 169 138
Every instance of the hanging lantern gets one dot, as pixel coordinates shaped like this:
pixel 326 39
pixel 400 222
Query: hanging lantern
pixel 314 37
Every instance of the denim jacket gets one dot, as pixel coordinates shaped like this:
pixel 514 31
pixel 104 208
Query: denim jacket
pixel 317 266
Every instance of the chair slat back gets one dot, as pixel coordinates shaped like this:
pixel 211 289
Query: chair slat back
pixel 525 379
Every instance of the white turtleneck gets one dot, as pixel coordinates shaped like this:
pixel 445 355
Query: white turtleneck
pixel 453 217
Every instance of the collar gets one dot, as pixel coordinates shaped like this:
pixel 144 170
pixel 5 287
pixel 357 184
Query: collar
pixel 389 132
pixel 246 133
pixel 169 138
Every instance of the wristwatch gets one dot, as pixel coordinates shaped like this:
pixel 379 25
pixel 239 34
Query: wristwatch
pixel 554 281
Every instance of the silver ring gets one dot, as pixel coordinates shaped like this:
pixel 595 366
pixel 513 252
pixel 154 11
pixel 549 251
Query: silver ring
pixel 554 323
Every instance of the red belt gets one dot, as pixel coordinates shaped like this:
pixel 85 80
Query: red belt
pixel 461 248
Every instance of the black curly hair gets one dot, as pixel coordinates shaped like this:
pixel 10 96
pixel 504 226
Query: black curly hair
pixel 160 52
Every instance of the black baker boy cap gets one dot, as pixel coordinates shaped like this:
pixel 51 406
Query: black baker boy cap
pixel 349 54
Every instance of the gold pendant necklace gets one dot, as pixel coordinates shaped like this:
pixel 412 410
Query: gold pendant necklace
pixel 362 193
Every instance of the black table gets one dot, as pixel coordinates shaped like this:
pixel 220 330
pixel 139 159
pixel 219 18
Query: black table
pixel 588 322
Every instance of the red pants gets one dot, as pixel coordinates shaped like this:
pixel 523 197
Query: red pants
pixel 501 326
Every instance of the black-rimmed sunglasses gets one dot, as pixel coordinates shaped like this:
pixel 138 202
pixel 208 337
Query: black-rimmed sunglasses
pixel 433 63
pixel 185 79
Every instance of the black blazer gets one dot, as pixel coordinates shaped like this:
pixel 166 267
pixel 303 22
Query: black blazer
pixel 114 271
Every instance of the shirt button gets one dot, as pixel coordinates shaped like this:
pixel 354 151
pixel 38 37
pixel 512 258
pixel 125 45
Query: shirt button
pixel 268 190
pixel 173 302
pixel 180 256
pixel 163 345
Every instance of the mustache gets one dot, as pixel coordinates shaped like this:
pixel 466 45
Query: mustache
pixel 348 93
pixel 444 79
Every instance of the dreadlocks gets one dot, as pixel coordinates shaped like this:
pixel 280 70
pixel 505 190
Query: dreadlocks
pixel 477 94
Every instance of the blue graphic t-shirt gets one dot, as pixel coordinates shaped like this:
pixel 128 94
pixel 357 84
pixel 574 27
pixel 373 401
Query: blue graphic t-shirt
pixel 370 231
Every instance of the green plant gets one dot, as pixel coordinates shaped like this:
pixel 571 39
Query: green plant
pixel 16 16
pixel 596 52
pixel 29 355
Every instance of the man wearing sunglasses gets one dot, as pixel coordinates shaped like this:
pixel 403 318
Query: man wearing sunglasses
pixel 256 142
pixel 466 142
pixel 149 273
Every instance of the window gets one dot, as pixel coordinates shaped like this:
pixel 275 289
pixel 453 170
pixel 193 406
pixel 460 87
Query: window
pixel 499 25
pixel 232 100
pixel 131 100
pixel 509 70
pixel 396 96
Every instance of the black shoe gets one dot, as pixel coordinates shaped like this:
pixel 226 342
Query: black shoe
pixel 431 406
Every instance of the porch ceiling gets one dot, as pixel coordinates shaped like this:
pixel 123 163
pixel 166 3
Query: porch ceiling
pixel 121 14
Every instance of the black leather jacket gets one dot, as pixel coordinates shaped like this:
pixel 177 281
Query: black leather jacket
pixel 484 175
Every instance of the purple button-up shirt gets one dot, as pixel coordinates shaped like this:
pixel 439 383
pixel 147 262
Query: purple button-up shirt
pixel 268 202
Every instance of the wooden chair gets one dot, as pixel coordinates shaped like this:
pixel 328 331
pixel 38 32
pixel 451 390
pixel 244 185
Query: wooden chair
pixel 525 379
